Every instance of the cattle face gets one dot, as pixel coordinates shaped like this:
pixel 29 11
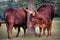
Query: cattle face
pixel 15 18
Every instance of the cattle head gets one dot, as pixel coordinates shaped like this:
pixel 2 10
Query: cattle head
pixel 33 13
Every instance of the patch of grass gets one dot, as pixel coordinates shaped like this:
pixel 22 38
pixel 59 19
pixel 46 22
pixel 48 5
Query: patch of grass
pixel 57 18
pixel 55 33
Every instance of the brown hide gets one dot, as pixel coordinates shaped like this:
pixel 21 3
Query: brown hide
pixel 15 18
pixel 43 18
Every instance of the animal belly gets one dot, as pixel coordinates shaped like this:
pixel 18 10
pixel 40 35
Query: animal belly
pixel 18 21
pixel 15 26
pixel 41 25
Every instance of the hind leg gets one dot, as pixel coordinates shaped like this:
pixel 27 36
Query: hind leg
pixel 49 30
pixel 24 28
pixel 40 31
pixel 24 31
pixel 44 29
pixel 34 30
pixel 18 32
pixel 9 30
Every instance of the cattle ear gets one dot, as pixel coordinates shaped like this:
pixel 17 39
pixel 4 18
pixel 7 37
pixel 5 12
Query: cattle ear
pixel 29 11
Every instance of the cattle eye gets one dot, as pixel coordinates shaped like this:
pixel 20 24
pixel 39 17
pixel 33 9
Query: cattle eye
pixel 31 15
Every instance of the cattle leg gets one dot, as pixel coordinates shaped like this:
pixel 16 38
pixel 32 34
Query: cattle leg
pixel 24 31
pixel 40 31
pixel 49 31
pixel 34 30
pixel 9 30
pixel 18 32
pixel 24 28
pixel 44 31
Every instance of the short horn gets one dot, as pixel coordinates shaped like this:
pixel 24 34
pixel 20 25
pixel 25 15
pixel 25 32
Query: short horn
pixel 35 13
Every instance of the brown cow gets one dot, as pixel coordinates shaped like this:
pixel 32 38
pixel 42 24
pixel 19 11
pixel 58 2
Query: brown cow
pixel 15 18
pixel 43 18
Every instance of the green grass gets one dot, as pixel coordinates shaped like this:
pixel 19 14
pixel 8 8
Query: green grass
pixel 55 33
pixel 57 18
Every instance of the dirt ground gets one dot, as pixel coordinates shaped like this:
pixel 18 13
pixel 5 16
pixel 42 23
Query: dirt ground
pixel 55 33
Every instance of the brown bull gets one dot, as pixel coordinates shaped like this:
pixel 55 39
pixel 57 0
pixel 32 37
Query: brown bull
pixel 43 18
pixel 15 18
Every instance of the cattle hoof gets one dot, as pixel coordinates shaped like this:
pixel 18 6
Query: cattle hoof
pixel 44 34
pixel 17 36
pixel 48 35
pixel 9 37
pixel 25 34
pixel 40 35
pixel 33 35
